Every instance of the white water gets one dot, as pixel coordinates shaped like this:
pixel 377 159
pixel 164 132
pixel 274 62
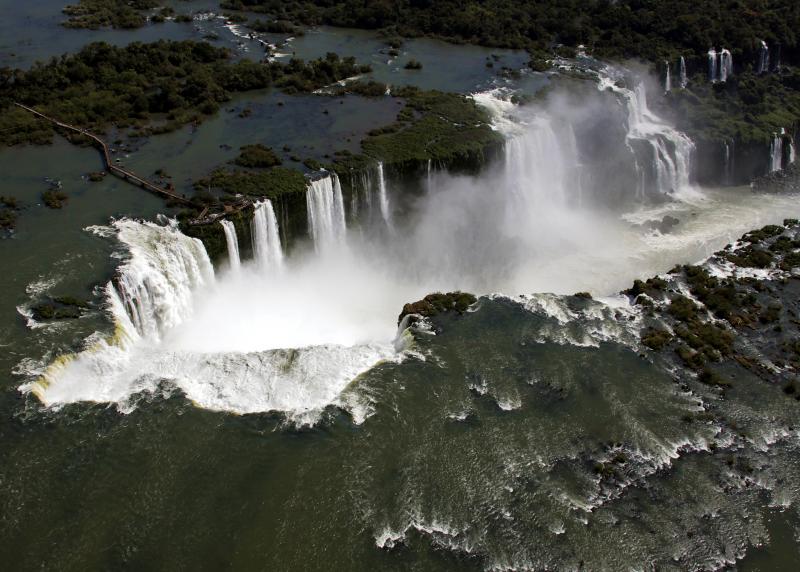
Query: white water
pixel 763 58
pixel 725 65
pixel 667 80
pixel 684 77
pixel 671 150
pixel 294 341
pixel 383 195
pixel 266 238
pixel 232 242
pixel 326 218
pixel 712 65
pixel 776 153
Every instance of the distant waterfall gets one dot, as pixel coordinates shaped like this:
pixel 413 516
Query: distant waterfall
pixel 326 220
pixel 382 195
pixel 155 284
pixel 671 150
pixel 369 201
pixel 430 176
pixel 684 78
pixel 776 153
pixel 725 65
pixel 233 244
pixel 792 152
pixel 266 238
pixel 763 58
pixel 729 161
pixel 712 65
pixel 667 80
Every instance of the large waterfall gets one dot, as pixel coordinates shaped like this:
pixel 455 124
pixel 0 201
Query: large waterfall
pixel 155 284
pixel 671 150
pixel 232 242
pixel 326 219
pixel 266 238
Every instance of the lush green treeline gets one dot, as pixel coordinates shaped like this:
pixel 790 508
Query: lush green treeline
pixel 94 14
pixel 151 88
pixel 651 29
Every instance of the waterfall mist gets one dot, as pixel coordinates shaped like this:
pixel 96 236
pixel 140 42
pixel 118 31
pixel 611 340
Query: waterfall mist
pixel 574 205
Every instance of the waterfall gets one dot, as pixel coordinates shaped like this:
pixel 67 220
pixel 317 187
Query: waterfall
pixel 667 80
pixel 725 65
pixel 233 244
pixel 712 65
pixel 791 152
pixel 730 148
pixel 382 195
pixel 326 212
pixel 776 153
pixel 266 238
pixel 537 164
pixel 153 292
pixel 684 78
pixel 430 176
pixel 763 58
pixel 671 150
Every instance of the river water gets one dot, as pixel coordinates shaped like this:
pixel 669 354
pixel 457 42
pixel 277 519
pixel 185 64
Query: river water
pixel 275 421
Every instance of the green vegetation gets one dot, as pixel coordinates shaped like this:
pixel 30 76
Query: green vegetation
pixel 626 28
pixel 8 212
pixel 437 303
pixel 257 156
pixel 447 128
pixel 94 14
pixel 54 199
pixel 748 108
pixel 147 88
pixel 269 184
pixel 59 308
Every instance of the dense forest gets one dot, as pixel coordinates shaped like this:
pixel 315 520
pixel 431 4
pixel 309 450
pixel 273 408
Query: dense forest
pixel 153 87
pixel 651 29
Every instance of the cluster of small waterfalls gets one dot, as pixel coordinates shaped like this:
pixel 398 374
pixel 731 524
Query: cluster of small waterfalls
pixel 780 157
pixel 720 65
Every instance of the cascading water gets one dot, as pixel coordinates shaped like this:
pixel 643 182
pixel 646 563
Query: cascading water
pixel 155 285
pixel 763 58
pixel 537 167
pixel 684 77
pixel 729 161
pixel 792 152
pixel 671 150
pixel 232 242
pixel 326 220
pixel 266 238
pixel 776 153
pixel 712 65
pixel 667 79
pixel 725 65
pixel 383 196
